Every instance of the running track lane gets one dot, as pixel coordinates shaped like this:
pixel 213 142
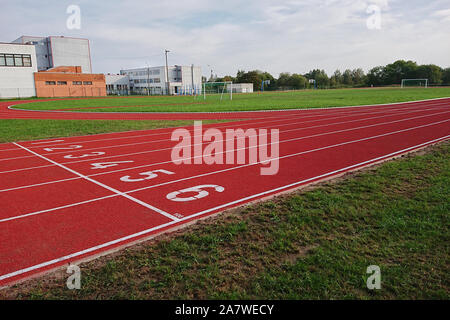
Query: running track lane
pixel 71 213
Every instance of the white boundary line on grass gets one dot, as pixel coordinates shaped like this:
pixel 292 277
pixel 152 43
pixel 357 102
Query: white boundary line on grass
pixel 147 231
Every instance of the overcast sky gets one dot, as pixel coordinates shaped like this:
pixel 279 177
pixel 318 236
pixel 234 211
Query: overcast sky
pixel 275 36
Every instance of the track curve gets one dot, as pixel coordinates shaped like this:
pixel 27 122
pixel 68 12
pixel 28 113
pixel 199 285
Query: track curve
pixel 6 112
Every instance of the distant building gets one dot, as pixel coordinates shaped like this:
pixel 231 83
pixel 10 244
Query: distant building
pixel 58 51
pixel 68 81
pixel 117 84
pixel 153 80
pixel 48 67
pixel 17 67
pixel 241 88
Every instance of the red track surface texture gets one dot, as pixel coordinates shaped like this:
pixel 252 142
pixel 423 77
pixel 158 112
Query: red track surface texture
pixel 57 209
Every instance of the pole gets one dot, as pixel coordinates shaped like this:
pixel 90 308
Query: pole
pixel 192 78
pixel 148 80
pixel 167 73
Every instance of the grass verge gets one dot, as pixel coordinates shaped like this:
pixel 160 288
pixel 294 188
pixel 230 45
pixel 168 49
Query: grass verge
pixel 12 130
pixel 245 102
pixel 314 243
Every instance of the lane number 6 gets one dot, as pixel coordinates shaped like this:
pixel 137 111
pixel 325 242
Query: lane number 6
pixel 173 196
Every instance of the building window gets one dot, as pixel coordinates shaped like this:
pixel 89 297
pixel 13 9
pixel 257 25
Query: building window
pixel 9 60
pixel 157 80
pixel 18 61
pixel 62 83
pixel 89 83
pixel 26 60
pixel 50 83
pixel 77 83
pixel 15 60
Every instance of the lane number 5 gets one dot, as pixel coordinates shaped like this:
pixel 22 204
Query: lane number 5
pixel 146 176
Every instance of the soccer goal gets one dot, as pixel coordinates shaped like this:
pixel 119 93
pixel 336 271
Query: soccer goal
pixel 218 90
pixel 415 83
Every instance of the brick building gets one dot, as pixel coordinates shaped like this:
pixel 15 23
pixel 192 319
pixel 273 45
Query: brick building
pixel 68 81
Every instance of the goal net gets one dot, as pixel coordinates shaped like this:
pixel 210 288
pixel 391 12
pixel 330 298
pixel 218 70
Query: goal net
pixel 218 90
pixel 415 83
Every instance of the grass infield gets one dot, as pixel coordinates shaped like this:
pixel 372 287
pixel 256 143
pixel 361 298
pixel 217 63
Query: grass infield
pixel 314 243
pixel 12 130
pixel 244 102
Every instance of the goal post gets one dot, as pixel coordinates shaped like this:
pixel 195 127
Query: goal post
pixel 415 83
pixel 218 89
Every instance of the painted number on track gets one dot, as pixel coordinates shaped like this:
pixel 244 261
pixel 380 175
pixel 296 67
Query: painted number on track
pixel 174 196
pixel 148 175
pixel 63 148
pixel 92 154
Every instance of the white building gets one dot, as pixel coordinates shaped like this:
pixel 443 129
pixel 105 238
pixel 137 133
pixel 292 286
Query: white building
pixel 117 84
pixel 17 67
pixel 60 51
pixel 241 87
pixel 153 80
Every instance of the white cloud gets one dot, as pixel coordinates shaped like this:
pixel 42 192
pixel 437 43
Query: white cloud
pixel 287 35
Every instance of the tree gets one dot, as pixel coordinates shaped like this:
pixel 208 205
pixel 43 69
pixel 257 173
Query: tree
pixel 358 77
pixel 254 77
pixel 320 76
pixel 431 72
pixel 347 77
pixel 297 81
pixel 446 76
pixel 375 77
pixel 400 69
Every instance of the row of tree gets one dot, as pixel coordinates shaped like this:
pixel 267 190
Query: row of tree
pixel 392 74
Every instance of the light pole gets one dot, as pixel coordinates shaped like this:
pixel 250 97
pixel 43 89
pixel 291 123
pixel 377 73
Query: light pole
pixel 167 73
pixel 211 78
pixel 148 78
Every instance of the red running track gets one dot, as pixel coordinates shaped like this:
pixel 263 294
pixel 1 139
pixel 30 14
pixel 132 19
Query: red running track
pixel 59 207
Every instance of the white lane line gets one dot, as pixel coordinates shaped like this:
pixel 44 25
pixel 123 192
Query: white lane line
pixel 282 118
pixel 168 215
pixel 45 142
pixel 163 140
pixel 342 115
pixel 241 166
pixel 150 230
pixel 223 152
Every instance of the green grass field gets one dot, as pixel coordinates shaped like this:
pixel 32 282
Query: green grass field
pixel 312 244
pixel 245 102
pixel 12 130
pixel 19 130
